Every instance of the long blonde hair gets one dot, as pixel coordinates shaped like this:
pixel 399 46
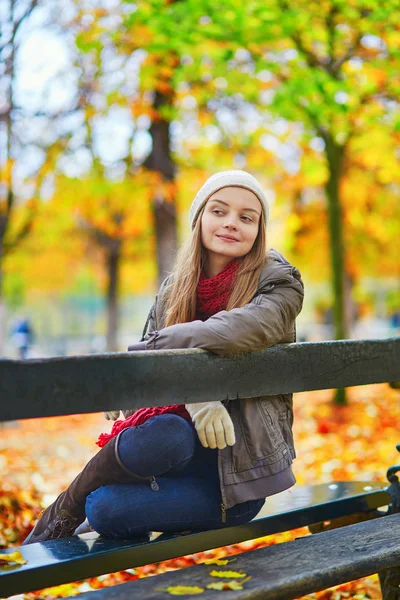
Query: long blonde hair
pixel 180 293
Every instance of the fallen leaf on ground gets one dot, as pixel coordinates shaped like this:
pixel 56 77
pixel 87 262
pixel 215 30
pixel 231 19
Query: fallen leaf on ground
pixel 13 557
pixel 218 561
pixel 228 574
pixel 183 590
pixel 227 585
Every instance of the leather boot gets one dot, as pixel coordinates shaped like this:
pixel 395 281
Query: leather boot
pixel 62 517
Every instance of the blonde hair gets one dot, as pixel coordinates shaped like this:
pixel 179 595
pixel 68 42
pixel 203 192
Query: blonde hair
pixel 180 293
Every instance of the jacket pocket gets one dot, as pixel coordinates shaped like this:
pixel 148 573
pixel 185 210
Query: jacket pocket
pixel 260 438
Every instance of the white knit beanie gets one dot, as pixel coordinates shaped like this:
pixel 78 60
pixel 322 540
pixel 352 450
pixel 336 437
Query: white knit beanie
pixel 223 179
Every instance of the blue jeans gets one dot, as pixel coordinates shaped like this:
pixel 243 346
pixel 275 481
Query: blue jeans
pixel 188 495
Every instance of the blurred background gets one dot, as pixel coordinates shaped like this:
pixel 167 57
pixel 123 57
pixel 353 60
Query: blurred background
pixel 113 114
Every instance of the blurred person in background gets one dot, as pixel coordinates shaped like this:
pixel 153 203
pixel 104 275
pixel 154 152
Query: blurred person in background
pixel 22 336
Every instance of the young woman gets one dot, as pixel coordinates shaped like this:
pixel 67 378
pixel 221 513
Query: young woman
pixel 212 464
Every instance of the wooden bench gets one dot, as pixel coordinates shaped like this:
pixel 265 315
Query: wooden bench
pixel 290 570
pixel 84 384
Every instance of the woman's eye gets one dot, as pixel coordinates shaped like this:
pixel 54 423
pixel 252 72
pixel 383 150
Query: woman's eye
pixel 217 211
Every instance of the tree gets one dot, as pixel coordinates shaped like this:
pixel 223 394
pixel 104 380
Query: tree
pixel 116 223
pixel 28 150
pixel 8 51
pixel 153 97
pixel 331 67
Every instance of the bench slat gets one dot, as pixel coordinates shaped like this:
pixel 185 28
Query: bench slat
pixel 70 559
pixel 289 570
pixel 93 383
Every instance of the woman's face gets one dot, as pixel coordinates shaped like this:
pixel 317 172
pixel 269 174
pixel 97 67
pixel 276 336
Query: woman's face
pixel 230 222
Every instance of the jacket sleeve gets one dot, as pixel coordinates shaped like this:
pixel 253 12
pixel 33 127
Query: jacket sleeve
pixel 150 324
pixel 151 321
pixel 263 322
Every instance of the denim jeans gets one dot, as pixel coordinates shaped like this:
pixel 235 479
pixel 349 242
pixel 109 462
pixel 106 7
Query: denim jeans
pixel 187 495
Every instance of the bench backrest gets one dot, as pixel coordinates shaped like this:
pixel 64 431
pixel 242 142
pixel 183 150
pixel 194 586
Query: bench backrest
pixel 93 383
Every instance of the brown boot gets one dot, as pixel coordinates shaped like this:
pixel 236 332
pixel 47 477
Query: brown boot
pixel 62 517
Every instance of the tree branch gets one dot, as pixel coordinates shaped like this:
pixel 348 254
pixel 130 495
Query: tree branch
pixel 349 54
pixel 18 23
pixel 22 233
pixel 330 24
pixel 311 59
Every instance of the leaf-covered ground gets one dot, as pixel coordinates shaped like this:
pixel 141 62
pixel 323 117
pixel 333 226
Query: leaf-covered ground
pixel 38 458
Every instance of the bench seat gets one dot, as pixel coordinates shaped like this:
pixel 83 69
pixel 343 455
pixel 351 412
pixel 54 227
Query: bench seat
pixel 71 559
pixel 288 570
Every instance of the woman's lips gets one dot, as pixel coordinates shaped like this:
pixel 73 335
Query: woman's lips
pixel 227 239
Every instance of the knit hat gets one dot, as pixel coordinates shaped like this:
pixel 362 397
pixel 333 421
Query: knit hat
pixel 223 179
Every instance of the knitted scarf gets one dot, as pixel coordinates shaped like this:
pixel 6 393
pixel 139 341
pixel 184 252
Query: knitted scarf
pixel 213 293
pixel 212 297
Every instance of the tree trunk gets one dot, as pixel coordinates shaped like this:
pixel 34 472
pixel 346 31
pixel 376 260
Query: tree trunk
pixel 113 258
pixel 166 236
pixel 350 306
pixel 2 310
pixel 164 210
pixel 335 155
pixel 8 199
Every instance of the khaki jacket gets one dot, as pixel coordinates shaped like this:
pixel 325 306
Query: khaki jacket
pixel 259 464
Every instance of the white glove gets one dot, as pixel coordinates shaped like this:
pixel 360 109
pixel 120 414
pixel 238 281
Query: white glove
pixel 213 424
pixel 128 413
pixel 112 415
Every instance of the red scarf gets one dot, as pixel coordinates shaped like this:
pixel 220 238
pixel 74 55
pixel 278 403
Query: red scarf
pixel 212 297
pixel 213 294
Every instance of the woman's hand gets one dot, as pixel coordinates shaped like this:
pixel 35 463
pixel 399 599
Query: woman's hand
pixel 213 424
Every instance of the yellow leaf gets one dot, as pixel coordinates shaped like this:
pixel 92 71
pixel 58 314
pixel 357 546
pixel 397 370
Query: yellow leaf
pixel 216 561
pixel 225 585
pixel 229 574
pixel 13 557
pixel 183 590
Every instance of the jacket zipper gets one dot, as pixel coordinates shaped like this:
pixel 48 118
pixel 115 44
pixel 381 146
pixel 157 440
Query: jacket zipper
pixel 223 509
pixel 238 409
pixel 154 484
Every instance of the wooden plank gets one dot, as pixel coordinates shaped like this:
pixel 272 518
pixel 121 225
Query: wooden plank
pixel 286 571
pixel 93 383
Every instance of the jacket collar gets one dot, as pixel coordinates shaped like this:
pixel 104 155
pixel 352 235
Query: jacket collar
pixel 276 268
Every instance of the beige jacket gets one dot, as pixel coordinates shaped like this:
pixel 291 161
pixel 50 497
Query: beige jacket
pixel 259 464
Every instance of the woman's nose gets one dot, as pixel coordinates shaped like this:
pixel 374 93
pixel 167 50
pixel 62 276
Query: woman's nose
pixel 230 224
